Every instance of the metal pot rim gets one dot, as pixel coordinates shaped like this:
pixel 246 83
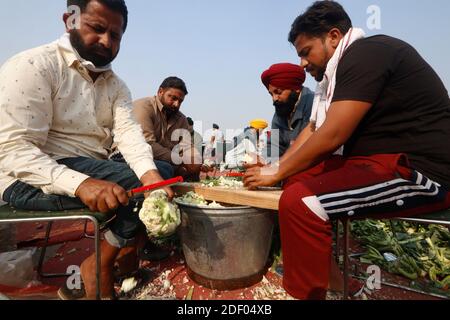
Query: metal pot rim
pixel 195 206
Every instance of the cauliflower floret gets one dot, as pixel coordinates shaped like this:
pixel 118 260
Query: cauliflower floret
pixel 215 205
pixel 195 199
pixel 223 182
pixel 230 183
pixel 160 217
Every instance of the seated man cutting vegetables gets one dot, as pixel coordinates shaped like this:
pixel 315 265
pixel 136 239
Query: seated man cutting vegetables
pixel 62 107
pixel 379 99
pixel 166 128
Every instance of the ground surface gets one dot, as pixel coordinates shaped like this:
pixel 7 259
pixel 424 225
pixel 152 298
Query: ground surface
pixel 161 280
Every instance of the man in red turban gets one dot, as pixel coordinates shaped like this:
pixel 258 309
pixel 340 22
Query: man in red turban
pixel 285 76
pixel 293 104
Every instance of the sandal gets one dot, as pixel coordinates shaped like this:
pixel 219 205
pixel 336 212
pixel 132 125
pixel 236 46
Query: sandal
pixel 64 293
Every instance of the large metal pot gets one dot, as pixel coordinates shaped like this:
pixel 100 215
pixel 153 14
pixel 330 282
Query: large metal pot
pixel 226 248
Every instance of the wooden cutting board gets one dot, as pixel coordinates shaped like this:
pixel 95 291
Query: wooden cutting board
pixel 243 197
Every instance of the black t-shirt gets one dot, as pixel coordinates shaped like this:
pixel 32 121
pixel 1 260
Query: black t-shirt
pixel 411 106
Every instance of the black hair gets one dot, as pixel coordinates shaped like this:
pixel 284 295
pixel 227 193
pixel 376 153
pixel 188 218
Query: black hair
pixel 190 121
pixel 215 126
pixel 115 5
pixel 319 19
pixel 174 83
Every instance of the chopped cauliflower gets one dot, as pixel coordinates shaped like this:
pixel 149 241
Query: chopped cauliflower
pixel 231 183
pixel 194 199
pixel 129 285
pixel 160 217
pixel 215 205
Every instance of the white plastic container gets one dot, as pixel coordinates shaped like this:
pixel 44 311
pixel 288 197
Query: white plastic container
pixel 16 268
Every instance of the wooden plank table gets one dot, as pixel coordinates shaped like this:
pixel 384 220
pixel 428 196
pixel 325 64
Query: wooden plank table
pixel 258 199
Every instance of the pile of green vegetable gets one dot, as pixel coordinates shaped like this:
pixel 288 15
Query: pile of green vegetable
pixel 407 249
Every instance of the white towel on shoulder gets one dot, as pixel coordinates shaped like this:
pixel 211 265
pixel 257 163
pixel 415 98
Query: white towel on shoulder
pixel 325 89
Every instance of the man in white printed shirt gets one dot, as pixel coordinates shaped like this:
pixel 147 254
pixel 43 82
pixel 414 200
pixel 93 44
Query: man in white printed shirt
pixel 61 108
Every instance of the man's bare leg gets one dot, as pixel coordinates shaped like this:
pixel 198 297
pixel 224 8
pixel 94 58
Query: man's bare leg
pixel 88 268
pixel 127 261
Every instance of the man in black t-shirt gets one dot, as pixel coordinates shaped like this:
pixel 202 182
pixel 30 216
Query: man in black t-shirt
pixel 379 100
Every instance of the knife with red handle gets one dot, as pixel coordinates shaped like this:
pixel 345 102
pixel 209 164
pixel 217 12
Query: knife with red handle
pixel 155 186
pixel 235 174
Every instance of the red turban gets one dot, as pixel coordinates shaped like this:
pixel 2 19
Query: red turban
pixel 286 76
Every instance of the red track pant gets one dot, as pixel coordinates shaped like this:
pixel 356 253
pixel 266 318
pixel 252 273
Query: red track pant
pixel 380 186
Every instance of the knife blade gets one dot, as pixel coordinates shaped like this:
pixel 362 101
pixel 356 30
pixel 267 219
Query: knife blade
pixel 155 186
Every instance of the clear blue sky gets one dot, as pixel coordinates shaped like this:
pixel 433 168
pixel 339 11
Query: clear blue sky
pixel 220 48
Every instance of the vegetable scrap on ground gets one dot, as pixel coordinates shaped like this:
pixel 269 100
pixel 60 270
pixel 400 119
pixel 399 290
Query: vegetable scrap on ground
pixel 173 283
pixel 412 250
